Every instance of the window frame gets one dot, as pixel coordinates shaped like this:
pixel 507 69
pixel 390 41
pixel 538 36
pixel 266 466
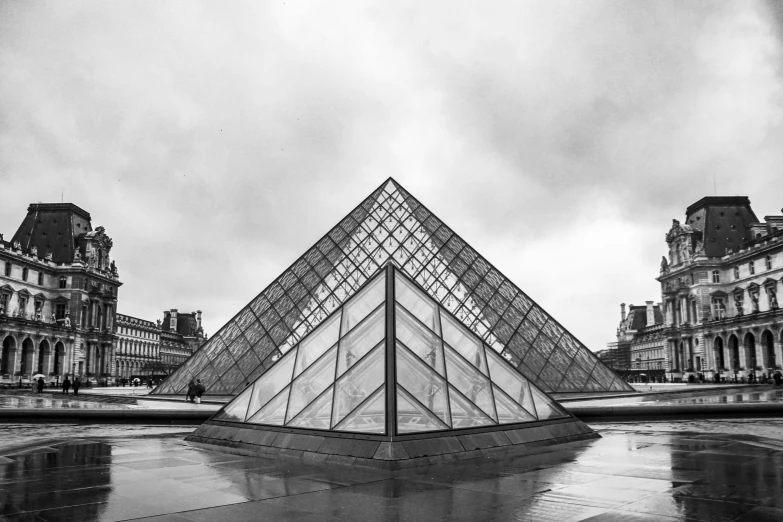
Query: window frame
pixel 752 267
pixel 716 276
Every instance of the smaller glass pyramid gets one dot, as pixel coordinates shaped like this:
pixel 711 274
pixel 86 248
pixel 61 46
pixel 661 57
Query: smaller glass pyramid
pixel 391 366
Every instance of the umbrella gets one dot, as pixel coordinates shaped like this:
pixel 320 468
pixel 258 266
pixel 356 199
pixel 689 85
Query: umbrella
pixel 37 375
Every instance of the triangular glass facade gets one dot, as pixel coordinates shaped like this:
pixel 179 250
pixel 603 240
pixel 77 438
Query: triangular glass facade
pixel 391 225
pixel 389 367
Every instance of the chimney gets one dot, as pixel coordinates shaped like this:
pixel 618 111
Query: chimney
pixel 173 322
pixel 622 311
pixel 198 318
pixel 650 313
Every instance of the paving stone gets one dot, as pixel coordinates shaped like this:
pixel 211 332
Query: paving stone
pixel 430 447
pixel 340 459
pixel 484 440
pixel 257 437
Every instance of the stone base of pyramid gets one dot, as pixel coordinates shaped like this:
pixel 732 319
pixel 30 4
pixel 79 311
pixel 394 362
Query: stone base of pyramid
pixel 376 451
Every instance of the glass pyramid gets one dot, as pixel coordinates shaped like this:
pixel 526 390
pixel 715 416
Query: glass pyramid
pixel 389 367
pixel 391 225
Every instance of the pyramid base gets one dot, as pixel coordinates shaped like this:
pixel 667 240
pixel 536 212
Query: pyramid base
pixel 376 451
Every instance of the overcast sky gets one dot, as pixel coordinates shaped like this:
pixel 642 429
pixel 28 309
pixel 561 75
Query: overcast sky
pixel 216 141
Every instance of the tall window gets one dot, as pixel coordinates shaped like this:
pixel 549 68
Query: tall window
pixel 736 273
pixel 768 262
pixel 63 282
pixel 59 311
pixel 715 276
pixel 25 273
pixel 8 266
pixel 40 278
pixel 693 279
pixel 751 268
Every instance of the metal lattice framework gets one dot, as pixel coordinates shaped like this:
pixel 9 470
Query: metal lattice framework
pixel 391 225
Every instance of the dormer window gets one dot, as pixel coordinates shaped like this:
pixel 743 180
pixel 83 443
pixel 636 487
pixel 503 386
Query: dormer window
pixel 751 268
pixel 768 262
pixel 736 273
pixel 25 273
pixel 716 276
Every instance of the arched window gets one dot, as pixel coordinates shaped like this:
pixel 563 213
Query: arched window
pixel 63 282
pixel 768 261
pixel 716 276
pixel 736 273
pixel 751 268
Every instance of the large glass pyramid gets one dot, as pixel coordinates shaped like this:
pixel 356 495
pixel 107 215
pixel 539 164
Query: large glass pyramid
pixel 391 367
pixel 391 225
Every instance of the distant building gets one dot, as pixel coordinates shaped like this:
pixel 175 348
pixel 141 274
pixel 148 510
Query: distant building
pixel 719 283
pixel 640 345
pixel 58 296
pixel 181 335
pixel 138 347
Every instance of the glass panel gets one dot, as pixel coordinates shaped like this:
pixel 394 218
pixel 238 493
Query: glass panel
pixel 277 377
pixel 236 409
pixel 419 339
pixel 357 384
pixel 413 417
pixel 311 383
pixel 370 417
pixel 317 343
pixel 274 411
pixel 465 343
pixel 546 408
pixel 509 380
pixel 425 385
pixel 318 414
pixel 470 382
pixel 416 303
pixel 465 414
pixel 361 340
pixel 508 410
pixel 363 303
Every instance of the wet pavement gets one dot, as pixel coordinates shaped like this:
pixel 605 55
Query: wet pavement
pixel 637 472
pixel 12 399
pixel 750 394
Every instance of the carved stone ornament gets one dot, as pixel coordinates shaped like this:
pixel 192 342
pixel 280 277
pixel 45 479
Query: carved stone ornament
pixel 34 251
pixel 664 264
pixel 77 255
pixel 48 256
pixel 677 230
pixel 17 245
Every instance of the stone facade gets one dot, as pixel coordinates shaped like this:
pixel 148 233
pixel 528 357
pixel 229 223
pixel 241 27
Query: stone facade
pixel 719 284
pixel 640 343
pixel 58 296
pixel 181 335
pixel 138 347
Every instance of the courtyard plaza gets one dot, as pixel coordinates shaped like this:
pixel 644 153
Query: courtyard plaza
pixel 701 470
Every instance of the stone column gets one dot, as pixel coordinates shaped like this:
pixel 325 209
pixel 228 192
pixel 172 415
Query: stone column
pixel 760 355
pixel 34 360
pixel 726 356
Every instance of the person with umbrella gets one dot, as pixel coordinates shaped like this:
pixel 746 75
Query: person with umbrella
pixel 40 384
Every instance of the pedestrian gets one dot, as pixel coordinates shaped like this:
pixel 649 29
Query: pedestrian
pixel 200 389
pixel 66 385
pixel 191 396
pixel 40 384
pixel 76 385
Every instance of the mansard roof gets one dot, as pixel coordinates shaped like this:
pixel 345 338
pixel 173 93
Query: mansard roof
pixel 52 227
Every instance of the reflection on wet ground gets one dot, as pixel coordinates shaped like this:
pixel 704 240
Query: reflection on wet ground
pixel 28 400
pixel 629 474
pixel 714 396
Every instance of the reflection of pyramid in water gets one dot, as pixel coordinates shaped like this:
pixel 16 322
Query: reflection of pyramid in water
pixel 435 375
pixel 392 225
pixel 389 367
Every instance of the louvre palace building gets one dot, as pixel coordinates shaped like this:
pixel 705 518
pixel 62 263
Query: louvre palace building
pixel 719 285
pixel 58 296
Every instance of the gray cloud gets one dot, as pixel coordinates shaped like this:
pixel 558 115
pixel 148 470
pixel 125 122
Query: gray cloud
pixel 216 143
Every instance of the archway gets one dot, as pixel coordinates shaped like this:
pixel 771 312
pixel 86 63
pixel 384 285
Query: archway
pixel 8 356
pixel 44 354
pixel 734 356
pixel 717 350
pixel 768 350
pixel 26 360
pixel 750 351
pixel 59 355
